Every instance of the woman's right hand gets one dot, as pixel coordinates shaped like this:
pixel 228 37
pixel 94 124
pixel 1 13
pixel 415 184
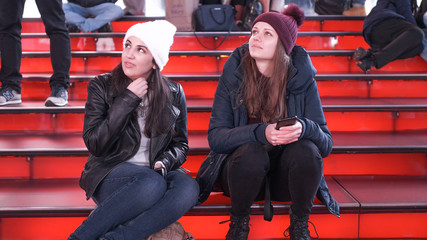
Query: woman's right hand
pixel 284 135
pixel 139 86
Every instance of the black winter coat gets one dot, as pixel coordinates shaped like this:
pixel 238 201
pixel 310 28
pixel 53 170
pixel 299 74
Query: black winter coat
pixel 229 128
pixel 112 134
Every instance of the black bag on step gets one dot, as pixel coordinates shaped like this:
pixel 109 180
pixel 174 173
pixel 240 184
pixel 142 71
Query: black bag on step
pixel 214 17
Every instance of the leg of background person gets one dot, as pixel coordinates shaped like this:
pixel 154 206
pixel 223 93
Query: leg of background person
pixel 10 43
pixel 104 13
pixel 277 5
pixel 243 175
pixel 127 191
pixel 60 50
pixel 180 196
pixel 265 5
pixel 134 7
pixel 395 39
pixel 75 14
pixel 239 6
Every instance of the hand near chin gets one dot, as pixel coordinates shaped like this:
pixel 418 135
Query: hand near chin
pixel 139 86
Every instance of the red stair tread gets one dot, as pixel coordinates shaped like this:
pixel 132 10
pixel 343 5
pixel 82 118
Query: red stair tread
pixel 27 197
pixel 382 192
pixel 371 193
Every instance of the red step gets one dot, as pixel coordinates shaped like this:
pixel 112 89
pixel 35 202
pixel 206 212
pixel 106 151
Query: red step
pixel 188 41
pixel 364 201
pixel 36 87
pixel 47 156
pixel 212 62
pixel 311 23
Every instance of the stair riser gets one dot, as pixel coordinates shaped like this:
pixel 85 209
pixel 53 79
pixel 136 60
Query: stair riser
pixel 214 65
pixel 64 167
pixel 209 43
pixel 38 89
pixel 404 225
pixel 199 121
pixel 309 25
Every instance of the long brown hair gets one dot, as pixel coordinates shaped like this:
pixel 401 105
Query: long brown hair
pixel 264 97
pixel 159 99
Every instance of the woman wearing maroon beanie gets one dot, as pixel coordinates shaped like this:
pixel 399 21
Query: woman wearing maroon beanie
pixel 264 80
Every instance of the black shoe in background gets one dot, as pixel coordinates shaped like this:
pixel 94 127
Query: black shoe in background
pixel 72 28
pixel 106 28
pixel 360 53
pixel 366 64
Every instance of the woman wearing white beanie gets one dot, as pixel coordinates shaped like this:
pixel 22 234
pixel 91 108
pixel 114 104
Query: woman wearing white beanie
pixel 135 129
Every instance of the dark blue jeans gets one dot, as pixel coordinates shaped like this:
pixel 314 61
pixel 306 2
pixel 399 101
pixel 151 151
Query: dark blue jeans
pixel 10 41
pixel 295 171
pixel 135 202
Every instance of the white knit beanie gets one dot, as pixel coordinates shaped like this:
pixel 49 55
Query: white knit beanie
pixel 157 35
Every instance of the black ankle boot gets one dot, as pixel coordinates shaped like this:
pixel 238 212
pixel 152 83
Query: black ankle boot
pixel 298 230
pixel 361 53
pixel 366 64
pixel 239 228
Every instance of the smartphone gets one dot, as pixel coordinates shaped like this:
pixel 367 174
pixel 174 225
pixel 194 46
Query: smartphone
pixel 286 122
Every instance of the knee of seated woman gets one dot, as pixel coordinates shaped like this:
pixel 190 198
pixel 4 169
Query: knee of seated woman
pixel 151 180
pixel 305 150
pixel 185 187
pixel 251 154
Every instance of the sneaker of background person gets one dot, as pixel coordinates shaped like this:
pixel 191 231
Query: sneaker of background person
pixel 9 96
pixel 106 28
pixel 72 28
pixel 58 97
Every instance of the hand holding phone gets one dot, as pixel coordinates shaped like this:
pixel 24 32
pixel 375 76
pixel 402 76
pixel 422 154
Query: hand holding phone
pixel 286 122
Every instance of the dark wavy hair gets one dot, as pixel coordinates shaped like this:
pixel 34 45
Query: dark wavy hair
pixel 264 97
pixel 159 99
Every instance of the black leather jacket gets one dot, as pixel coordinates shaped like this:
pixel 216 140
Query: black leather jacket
pixel 112 134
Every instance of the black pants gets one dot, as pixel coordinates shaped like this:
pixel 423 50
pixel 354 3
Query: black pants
pixel 295 171
pixel 10 41
pixel 395 39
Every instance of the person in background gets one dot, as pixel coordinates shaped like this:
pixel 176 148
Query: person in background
pixel 134 7
pixel 421 19
pixel 135 128
pixel 91 15
pixel 264 80
pixel 421 15
pixel 240 6
pixel 391 31
pixel 357 9
pixel 11 50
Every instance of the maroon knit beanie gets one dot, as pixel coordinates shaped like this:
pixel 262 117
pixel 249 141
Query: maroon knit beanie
pixel 286 24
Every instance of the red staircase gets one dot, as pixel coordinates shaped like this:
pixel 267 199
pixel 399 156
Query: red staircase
pixel 377 170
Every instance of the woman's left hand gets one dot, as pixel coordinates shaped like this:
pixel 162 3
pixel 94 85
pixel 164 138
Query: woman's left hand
pixel 284 135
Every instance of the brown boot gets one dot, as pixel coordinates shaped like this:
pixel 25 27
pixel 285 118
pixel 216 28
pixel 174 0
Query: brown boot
pixel 355 11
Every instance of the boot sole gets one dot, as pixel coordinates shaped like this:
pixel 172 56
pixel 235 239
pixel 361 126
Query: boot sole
pixel 11 102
